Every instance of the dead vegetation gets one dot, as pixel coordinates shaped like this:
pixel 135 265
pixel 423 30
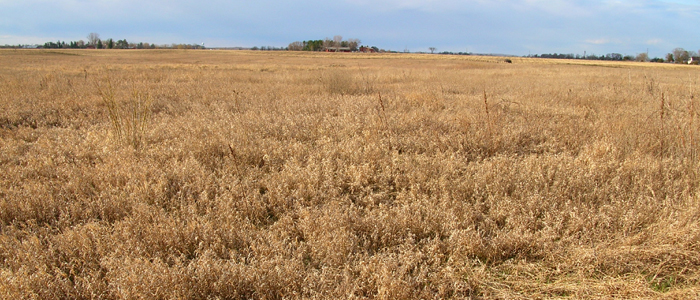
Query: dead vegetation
pixel 227 175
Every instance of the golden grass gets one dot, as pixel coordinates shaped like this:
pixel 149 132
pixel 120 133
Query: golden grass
pixel 276 175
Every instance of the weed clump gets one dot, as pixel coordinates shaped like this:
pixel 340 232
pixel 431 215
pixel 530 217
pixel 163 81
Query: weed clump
pixel 129 118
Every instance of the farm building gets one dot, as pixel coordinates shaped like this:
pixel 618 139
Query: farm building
pixel 337 49
pixel 364 49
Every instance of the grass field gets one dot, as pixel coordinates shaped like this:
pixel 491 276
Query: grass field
pixel 282 175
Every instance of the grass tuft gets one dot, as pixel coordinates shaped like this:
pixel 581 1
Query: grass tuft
pixel 129 118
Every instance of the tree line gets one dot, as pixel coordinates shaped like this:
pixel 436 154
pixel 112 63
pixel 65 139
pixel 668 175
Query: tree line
pixel 336 43
pixel 678 55
pixel 94 42
pixel 609 56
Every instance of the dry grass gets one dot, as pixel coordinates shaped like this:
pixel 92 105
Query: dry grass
pixel 285 175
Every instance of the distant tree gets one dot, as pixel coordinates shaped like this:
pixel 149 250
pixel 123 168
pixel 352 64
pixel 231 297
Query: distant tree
pixel 296 46
pixel 680 55
pixel 642 57
pixel 353 44
pixel 313 45
pixel 327 43
pixel 93 38
pixel 81 44
pixel 122 44
pixel 657 60
pixel 669 57
pixel 99 44
pixel 110 43
pixel 337 41
pixel 432 49
pixel 307 46
pixel 613 56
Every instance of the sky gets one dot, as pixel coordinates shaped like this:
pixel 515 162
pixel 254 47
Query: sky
pixel 514 27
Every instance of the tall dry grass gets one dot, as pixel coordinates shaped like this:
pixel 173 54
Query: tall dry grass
pixel 296 175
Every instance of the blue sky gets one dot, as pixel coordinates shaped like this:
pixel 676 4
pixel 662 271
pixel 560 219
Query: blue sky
pixel 517 27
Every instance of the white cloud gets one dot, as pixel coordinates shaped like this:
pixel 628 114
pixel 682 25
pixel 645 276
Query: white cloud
pixel 598 41
pixel 25 40
pixel 530 8
pixel 398 5
pixel 606 41
pixel 682 2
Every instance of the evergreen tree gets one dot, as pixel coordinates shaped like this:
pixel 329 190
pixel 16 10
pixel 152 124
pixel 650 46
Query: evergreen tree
pixel 669 57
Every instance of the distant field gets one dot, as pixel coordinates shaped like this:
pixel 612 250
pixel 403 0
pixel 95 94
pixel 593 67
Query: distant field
pixel 276 175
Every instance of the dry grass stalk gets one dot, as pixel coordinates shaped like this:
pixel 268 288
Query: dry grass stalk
pixel 662 136
pixel 129 118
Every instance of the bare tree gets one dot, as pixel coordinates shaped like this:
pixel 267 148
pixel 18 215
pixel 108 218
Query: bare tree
pixel 93 38
pixel 353 44
pixel 296 46
pixel 432 49
pixel 337 40
pixel 680 55
pixel 327 43
pixel 642 57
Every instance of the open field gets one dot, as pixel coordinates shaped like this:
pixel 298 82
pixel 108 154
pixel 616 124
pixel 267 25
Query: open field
pixel 271 175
